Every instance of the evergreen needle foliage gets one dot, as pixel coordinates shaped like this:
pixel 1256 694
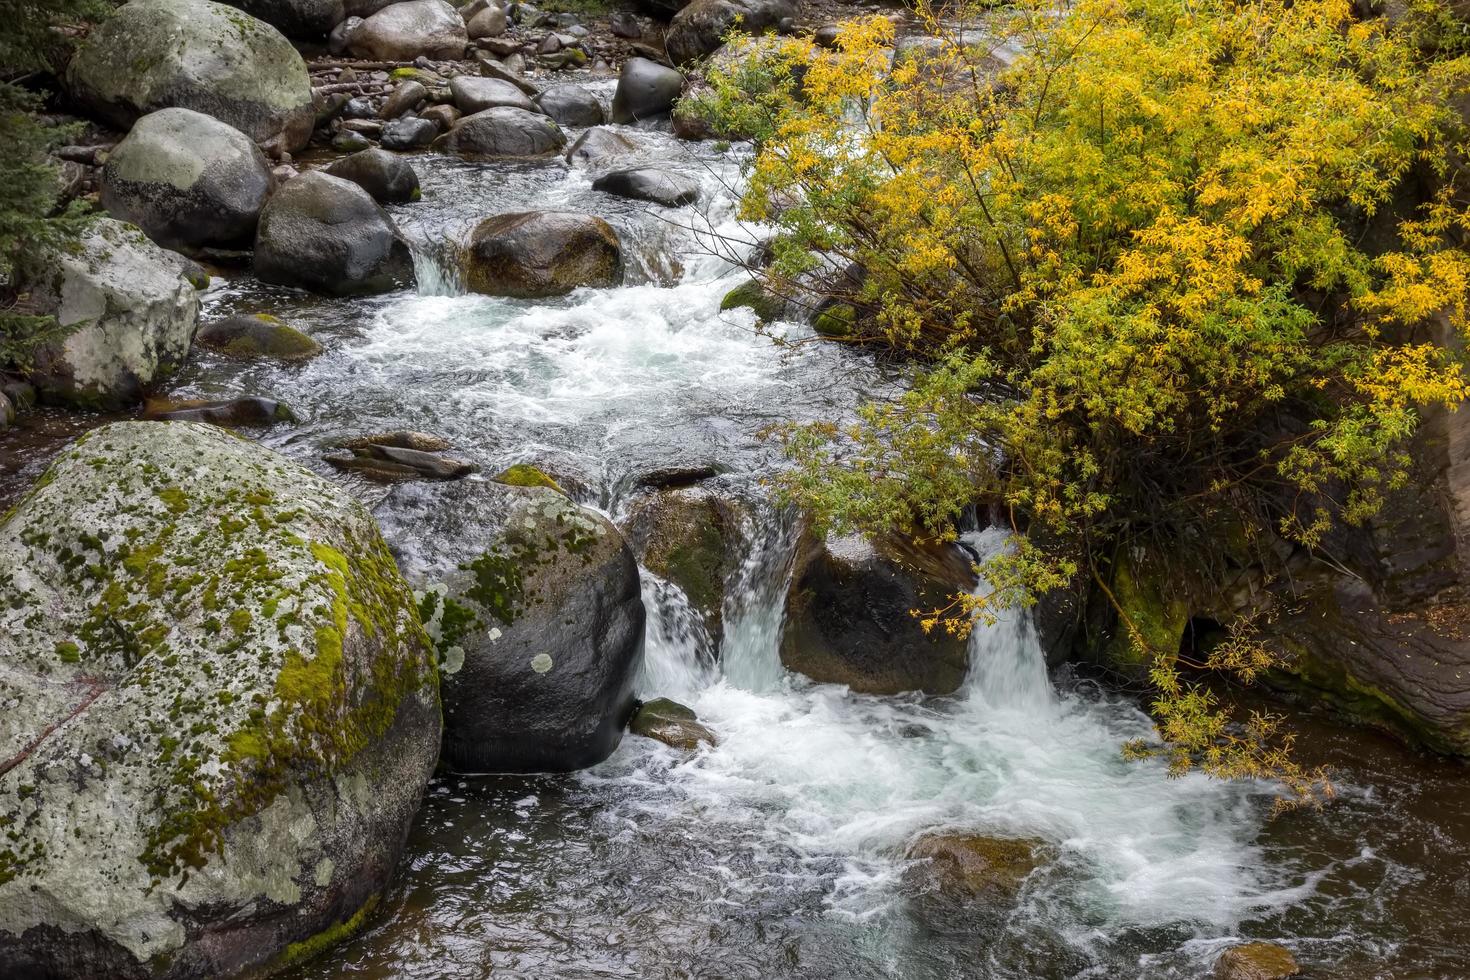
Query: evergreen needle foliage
pixel 31 223
pixel 1184 277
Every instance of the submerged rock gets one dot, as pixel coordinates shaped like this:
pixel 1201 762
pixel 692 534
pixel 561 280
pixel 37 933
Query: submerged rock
pixel 231 413
pixel 646 90
pixel 963 865
pixel 540 634
pixel 405 31
pixel 672 724
pixel 389 178
pixel 195 54
pixel 187 179
pixel 1256 961
pixel 328 235
pixel 649 184
pixel 221 711
pixel 127 312
pixel 257 335
pixel 391 463
pixel 849 615
pixel 541 253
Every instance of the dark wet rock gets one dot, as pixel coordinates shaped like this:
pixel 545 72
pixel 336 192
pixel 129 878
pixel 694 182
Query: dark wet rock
pixel 163 825
pixel 540 638
pixel 257 335
pixel 571 105
pixel 405 97
pixel 752 295
pixel 826 36
pixel 526 475
pixel 649 184
pixel 671 723
pixel 541 253
pixel 598 146
pixel 963 865
pixel 476 93
pixel 442 115
pixel 405 31
pixel 328 235
pixel 232 413
pixel 701 27
pixel 673 477
pixel 7 412
pixel 849 614
pixel 1256 961
pixel 187 179
pixel 348 141
pixel 503 132
pixel 360 107
pixel 490 22
pixel 194 54
pixel 126 309
pixel 691 537
pixel 307 19
pixel 646 90
pixel 625 25
pixel 389 178
pixel 424 442
pixel 395 462
pixel 408 133
pixel 340 39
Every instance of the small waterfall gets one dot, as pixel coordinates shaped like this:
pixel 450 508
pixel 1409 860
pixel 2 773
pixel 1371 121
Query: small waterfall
pixel 1007 666
pixel 678 652
pixel 755 601
pixel 436 267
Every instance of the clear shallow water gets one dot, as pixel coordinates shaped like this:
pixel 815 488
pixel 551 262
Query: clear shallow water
pixel 779 852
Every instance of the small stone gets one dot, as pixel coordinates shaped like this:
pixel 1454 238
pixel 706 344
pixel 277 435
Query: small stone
pixel 407 95
pixel 401 438
pixel 409 133
pixel 672 724
pixel 1256 961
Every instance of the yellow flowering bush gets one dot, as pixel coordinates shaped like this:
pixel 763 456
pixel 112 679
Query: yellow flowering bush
pixel 1179 272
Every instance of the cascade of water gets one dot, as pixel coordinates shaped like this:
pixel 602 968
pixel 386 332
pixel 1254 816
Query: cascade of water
pixel 678 652
pixel 436 268
pixel 755 600
pixel 1007 667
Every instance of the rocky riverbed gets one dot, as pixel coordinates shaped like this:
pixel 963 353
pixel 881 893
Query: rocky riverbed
pixel 476 303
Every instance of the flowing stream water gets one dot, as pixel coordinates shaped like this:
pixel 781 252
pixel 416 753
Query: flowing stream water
pixel 780 852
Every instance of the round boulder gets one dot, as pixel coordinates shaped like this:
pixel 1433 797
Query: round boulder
pixel 541 253
pixel 187 180
pixel 328 235
pixel 850 614
pixel 386 176
pixel 307 19
pixel 249 335
pixel 599 145
pixel 475 93
pixel 541 638
pixel 405 31
pixel 126 310
pixel 571 105
pixel 701 27
pixel 649 184
pixel 221 711
pixel 646 90
pixel 490 22
pixel 504 131
pixel 408 133
pixel 195 54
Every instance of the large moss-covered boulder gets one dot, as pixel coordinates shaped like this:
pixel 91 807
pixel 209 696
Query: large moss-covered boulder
pixel 220 710
pixel 214 59
pixel 541 253
pixel 127 312
pixel 540 634
pixel 187 179
pixel 850 614
pixel 328 235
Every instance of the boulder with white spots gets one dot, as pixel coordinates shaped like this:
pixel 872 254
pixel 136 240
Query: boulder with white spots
pixel 218 710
